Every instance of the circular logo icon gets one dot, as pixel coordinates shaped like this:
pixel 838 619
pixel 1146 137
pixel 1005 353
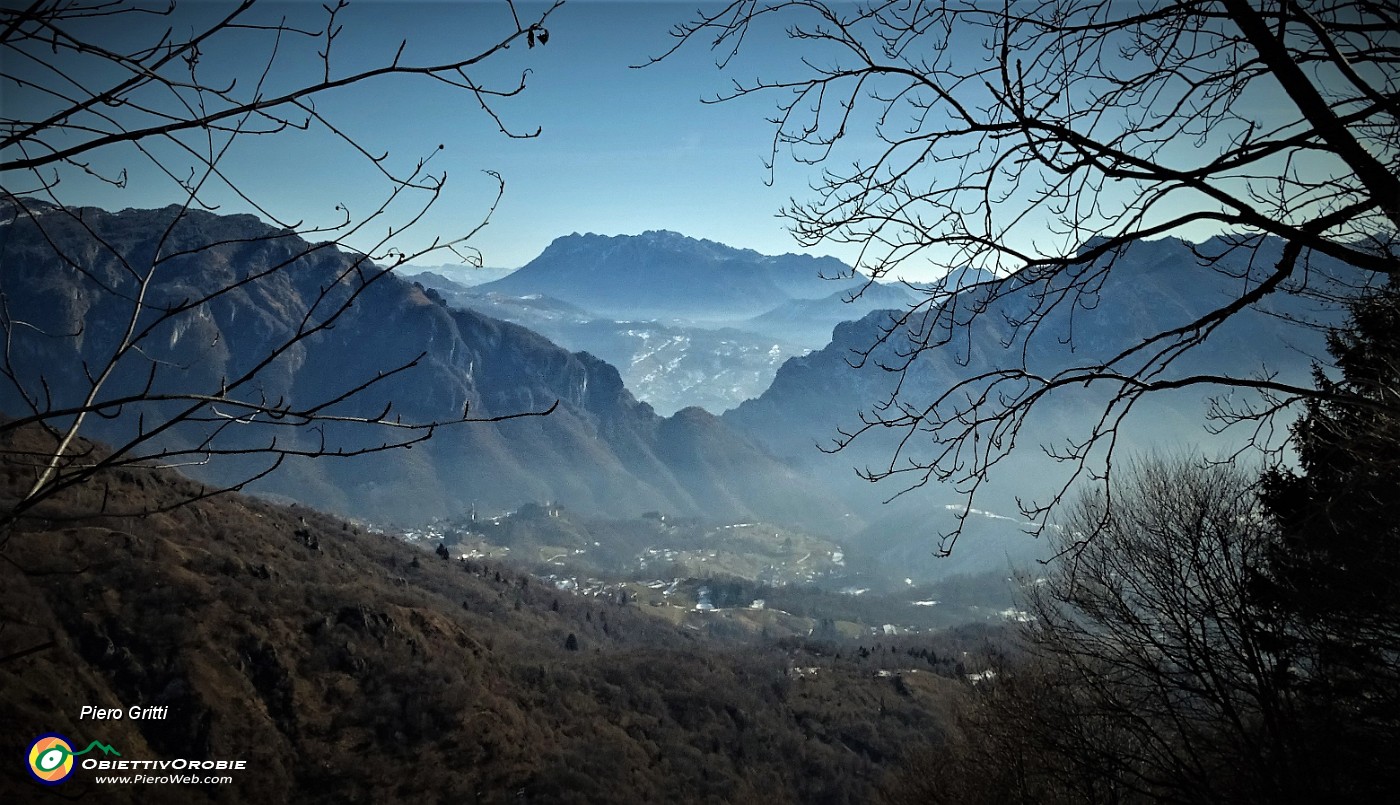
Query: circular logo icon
pixel 51 758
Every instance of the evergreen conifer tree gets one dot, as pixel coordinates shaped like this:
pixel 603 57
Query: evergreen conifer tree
pixel 1331 581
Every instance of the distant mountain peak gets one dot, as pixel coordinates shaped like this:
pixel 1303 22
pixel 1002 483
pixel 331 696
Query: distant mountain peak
pixel 665 273
pixel 661 240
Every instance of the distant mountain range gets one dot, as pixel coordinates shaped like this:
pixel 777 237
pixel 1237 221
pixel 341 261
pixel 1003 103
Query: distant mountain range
pixel 671 365
pixel 1154 286
pixel 688 322
pixel 601 451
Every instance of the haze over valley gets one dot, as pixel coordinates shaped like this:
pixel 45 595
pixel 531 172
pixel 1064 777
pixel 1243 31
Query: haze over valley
pixel 604 453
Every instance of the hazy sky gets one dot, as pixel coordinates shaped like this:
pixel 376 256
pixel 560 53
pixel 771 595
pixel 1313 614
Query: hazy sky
pixel 621 150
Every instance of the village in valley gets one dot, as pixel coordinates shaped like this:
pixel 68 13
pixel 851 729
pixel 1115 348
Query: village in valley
pixel 736 580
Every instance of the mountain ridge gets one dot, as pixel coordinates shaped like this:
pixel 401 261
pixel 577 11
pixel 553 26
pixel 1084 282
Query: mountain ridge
pixel 598 452
pixel 1152 287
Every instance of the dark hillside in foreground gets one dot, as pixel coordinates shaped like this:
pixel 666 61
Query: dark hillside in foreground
pixel 352 667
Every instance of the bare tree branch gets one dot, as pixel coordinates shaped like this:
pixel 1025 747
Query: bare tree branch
pixel 1038 142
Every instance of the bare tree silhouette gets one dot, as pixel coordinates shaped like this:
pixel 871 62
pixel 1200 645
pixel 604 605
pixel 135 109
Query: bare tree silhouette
pixel 1154 629
pixel 1040 140
pixel 93 82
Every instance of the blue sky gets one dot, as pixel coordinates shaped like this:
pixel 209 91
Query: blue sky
pixel 621 150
